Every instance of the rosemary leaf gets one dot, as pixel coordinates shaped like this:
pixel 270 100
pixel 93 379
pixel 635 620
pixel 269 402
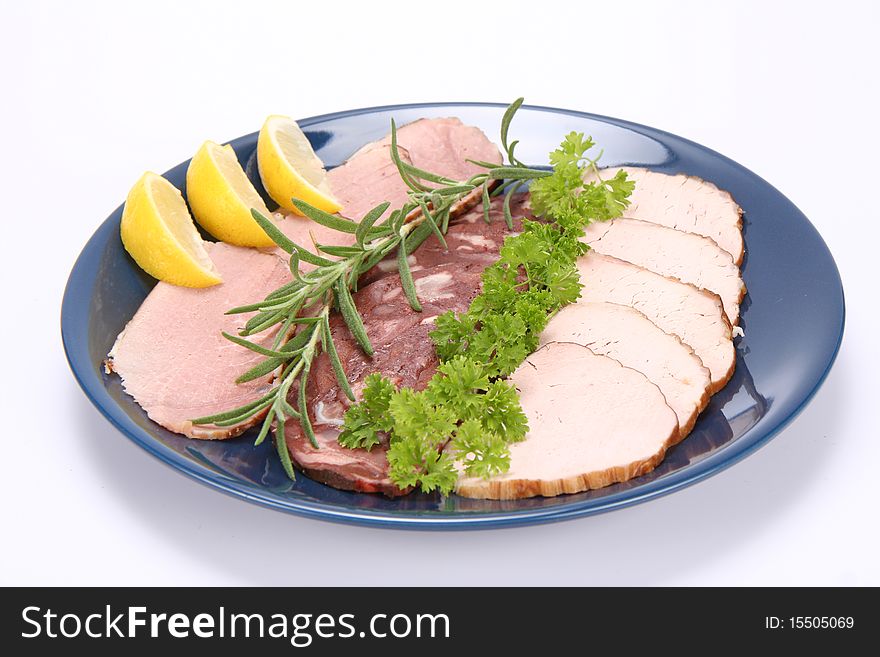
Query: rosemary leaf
pixel 441 211
pixel 508 217
pixel 263 368
pixel 284 331
pixel 262 321
pixel 352 318
pixel 319 275
pixel 225 415
pixel 367 222
pixel 406 279
pixel 238 419
pixel 273 232
pixel 266 306
pixel 309 257
pixel 333 355
pixel 325 218
pixel 264 429
pixel 486 202
pixel 413 184
pixel 281 446
pixel 351 280
pixel 429 219
pixel 340 251
pixel 294 345
pixel 394 221
pixel 284 289
pixel 454 191
pixel 251 307
pixel 503 186
pixel 304 420
pixel 285 293
pixel 377 232
pixel 510 156
pixel 483 163
pixel 293 265
pixel 288 409
pixel 247 344
pixel 414 239
pixel 326 285
pixel 379 254
pixel 427 175
pixel 507 118
pixel 301 339
pixel 281 399
pixel 518 173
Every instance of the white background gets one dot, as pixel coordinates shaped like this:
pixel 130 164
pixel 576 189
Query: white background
pixel 93 94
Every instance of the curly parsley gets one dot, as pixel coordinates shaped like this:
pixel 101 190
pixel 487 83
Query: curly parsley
pixel 460 416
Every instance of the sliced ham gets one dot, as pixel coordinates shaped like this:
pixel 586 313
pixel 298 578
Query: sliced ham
pixel 592 423
pixel 693 314
pixel 366 179
pixel 172 357
pixel 443 146
pixel 346 469
pixel 369 177
pixel 687 203
pixel 688 257
pixel 627 336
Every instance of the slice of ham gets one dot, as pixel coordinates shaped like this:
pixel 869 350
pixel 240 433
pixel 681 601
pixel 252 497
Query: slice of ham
pixel 443 146
pixel 592 423
pixel 369 177
pixel 693 314
pixel 688 257
pixel 627 336
pixel 687 203
pixel 172 357
pixel 366 179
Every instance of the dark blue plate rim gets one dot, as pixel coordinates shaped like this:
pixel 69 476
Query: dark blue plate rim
pixel 74 326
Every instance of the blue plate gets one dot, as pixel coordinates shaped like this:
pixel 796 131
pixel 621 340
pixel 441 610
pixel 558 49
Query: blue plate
pixel 793 319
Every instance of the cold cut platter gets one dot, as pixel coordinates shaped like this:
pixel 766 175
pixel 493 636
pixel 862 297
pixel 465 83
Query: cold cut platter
pixel 452 315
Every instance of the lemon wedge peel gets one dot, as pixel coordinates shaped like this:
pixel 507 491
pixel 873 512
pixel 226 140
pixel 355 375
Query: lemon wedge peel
pixel 289 167
pixel 158 232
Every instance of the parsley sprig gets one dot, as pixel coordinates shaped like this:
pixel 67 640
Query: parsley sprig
pixel 461 415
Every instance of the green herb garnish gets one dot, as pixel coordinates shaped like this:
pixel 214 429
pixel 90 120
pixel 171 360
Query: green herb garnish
pixel 460 416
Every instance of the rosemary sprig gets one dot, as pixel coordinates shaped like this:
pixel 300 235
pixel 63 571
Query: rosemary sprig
pixel 300 309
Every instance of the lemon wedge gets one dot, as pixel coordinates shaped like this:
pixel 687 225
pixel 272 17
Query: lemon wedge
pixel 221 197
pixel 289 167
pixel 159 233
